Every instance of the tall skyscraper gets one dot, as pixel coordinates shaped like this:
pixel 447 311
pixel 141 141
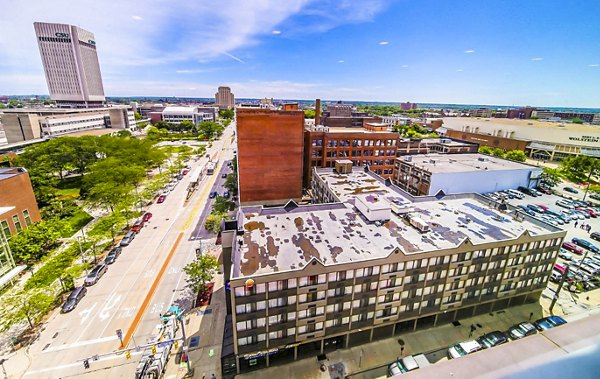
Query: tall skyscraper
pixel 224 98
pixel 71 64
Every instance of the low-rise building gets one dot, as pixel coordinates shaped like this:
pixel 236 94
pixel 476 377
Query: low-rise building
pixel 176 114
pixel 428 174
pixel 28 124
pixel 371 262
pixel 17 194
pixel 411 146
pixel 363 146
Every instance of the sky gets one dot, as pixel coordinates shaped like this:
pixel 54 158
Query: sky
pixel 503 52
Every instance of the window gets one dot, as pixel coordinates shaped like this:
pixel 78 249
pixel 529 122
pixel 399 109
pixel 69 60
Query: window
pixel 17 223
pixel 5 228
pixel 26 217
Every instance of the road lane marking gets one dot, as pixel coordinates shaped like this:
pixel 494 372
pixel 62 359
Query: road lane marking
pixel 79 364
pixel 86 313
pixel 80 343
pixel 126 312
pixel 140 312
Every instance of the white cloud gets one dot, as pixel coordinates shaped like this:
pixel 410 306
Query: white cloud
pixel 594 65
pixel 404 66
pixel 137 18
pixel 340 61
pixel 459 70
pixel 537 59
pixel 383 43
pixel 469 51
pixel 276 32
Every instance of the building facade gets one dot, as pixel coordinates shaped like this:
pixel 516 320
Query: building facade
pixel 71 64
pixel 17 194
pixel 408 106
pixel 364 147
pixel 176 115
pixel 270 155
pixel 306 280
pixel 30 124
pixel 224 99
pixel 411 146
pixel 427 174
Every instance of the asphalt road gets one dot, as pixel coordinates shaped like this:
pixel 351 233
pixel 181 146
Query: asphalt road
pixel 144 281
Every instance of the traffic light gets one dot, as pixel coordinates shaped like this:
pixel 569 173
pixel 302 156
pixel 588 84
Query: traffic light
pixel 176 345
pixel 153 349
pixel 127 354
pixel 86 364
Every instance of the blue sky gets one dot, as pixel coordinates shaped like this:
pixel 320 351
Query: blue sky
pixel 506 52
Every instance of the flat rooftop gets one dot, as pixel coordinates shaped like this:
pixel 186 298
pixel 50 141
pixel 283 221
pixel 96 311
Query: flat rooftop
pixel 62 110
pixel 287 238
pixel 356 130
pixel 445 163
pixel 442 141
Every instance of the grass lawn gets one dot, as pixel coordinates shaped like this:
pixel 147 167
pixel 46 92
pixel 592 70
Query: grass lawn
pixel 69 188
pixel 77 221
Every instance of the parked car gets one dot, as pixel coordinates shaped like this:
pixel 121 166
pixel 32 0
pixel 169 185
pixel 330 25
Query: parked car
pixel 585 244
pixel 564 254
pixel 406 364
pixel 588 211
pixel 570 246
pixel 527 191
pixel 570 189
pixel 147 216
pixel 213 194
pixel 535 208
pixel 543 324
pixel 544 207
pixel 521 330
pixel 544 190
pixel 137 225
pixel 463 348
pixel 95 274
pixel 226 194
pixel 185 171
pixel 556 320
pixel 112 255
pixel 161 199
pixel 516 193
pixel 564 204
pixel 526 210
pixel 224 175
pixel 73 299
pixel 595 196
pixel 595 236
pixel 492 339
pixel 128 238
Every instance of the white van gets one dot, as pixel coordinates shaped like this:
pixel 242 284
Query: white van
pixel 406 364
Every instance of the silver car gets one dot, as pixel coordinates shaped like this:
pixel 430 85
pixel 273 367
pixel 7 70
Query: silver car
pixel 95 274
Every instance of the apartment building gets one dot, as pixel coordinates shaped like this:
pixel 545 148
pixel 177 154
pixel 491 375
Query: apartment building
pixel 71 64
pixel 224 99
pixel 372 146
pixel 19 200
pixel 372 262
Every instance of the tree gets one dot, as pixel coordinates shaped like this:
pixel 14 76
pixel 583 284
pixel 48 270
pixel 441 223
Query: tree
pixel 31 306
pixel 200 272
pixel 36 241
pixel 231 183
pixel 227 113
pixel 221 205
pixel 163 125
pixel 552 176
pixel 485 150
pixel 213 222
pixel 309 113
pixel 516 155
pixel 123 134
pixel 187 126
pixel 578 168
pixel 137 116
pixel 209 129
pixel 141 125
pixel 577 120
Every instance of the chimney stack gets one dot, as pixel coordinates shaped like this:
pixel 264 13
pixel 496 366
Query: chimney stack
pixel 317 111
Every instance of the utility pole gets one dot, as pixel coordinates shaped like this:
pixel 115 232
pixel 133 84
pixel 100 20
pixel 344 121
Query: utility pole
pixel 185 347
pixel 560 285
pixel 592 167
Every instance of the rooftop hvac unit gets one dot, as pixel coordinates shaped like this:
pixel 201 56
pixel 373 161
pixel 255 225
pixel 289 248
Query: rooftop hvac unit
pixel 408 158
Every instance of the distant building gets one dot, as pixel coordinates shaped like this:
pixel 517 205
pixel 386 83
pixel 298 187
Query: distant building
pixel 17 195
pixel 30 124
pixel 224 99
pixel 371 146
pixel 522 113
pixel 427 174
pixel 408 106
pixel 345 116
pixel 481 112
pixel 175 115
pixel 270 155
pixel 71 64
pixel 396 119
pixel 412 146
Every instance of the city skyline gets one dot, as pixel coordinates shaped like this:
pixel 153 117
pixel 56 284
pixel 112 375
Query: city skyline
pixel 505 52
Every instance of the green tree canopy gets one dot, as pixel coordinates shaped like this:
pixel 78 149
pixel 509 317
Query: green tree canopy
pixel 200 272
pixel 516 155
pixel 137 116
pixel 36 241
pixel 30 306
pixel 227 113
pixel 578 168
pixel 551 175
pixel 309 113
pixel 485 150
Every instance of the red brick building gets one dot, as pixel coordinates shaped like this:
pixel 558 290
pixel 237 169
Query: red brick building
pixel 270 155
pixel 16 191
pixel 364 147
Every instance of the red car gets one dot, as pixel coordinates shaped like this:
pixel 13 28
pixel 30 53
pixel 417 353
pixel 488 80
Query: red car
pixel 588 211
pixel 185 171
pixel 147 216
pixel 545 208
pixel 137 226
pixel 572 247
pixel 161 199
pixel 544 190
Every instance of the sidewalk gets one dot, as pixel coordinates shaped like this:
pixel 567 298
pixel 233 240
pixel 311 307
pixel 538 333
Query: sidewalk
pixel 360 359
pixel 207 323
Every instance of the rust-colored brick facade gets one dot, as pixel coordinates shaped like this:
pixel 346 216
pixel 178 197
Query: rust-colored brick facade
pixel 323 146
pixel 270 155
pixel 16 191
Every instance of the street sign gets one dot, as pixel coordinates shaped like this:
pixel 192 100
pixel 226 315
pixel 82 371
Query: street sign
pixel 95 357
pixel 119 333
